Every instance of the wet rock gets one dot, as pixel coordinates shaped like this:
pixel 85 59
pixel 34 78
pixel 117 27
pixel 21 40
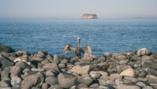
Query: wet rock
pixel 143 51
pixel 34 80
pixel 128 72
pixel 66 80
pixel 4 48
pixel 81 69
pixel 128 87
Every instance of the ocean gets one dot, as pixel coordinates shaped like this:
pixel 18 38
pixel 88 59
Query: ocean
pixel 103 35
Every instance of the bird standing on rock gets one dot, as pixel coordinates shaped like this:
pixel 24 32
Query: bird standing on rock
pixel 87 51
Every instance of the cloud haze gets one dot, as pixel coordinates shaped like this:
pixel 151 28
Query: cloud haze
pixel 75 8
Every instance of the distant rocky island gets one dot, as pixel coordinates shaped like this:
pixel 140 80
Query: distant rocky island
pixel 89 16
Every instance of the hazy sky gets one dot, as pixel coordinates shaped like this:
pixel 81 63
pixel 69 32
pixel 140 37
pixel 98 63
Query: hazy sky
pixel 75 8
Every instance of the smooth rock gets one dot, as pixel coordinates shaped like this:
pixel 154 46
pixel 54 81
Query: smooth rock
pixel 115 76
pixel 147 87
pixel 5 88
pixel 45 86
pixel 120 56
pixel 34 80
pixel 15 81
pixel 128 72
pixel 128 87
pixel 143 51
pixel 61 65
pixel 95 85
pixel 66 80
pixel 5 74
pixel 151 78
pixel 51 67
pixel 80 69
pixel 55 87
pixel 51 80
pixel 141 84
pixel 95 74
pixel 4 84
pixel 85 80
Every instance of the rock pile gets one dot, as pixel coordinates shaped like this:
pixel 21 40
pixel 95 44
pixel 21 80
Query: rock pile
pixel 128 70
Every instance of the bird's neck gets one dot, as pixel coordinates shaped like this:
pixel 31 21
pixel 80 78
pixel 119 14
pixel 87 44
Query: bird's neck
pixel 78 44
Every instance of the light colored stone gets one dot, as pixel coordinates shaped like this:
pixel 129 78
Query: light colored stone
pixel 147 87
pixel 143 51
pixel 128 87
pixel 32 80
pixel 80 69
pixel 51 66
pixel 15 81
pixel 95 74
pixel 151 78
pixel 128 72
pixel 66 80
pixel 3 84
pixel 115 76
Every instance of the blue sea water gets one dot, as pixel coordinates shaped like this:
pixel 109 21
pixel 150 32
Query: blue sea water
pixel 103 35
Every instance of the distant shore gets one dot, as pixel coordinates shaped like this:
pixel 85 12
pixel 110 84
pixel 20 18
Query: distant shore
pixel 127 70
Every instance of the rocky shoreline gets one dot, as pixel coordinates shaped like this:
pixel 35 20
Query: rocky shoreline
pixel 127 70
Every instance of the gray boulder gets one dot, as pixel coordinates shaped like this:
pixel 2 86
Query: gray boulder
pixel 66 80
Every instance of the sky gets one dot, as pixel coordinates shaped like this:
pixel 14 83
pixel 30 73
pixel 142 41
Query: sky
pixel 75 8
